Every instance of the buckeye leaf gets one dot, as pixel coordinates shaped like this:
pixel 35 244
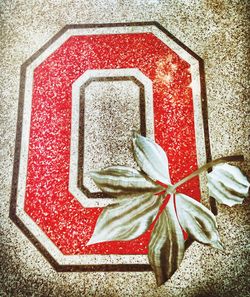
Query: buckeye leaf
pixel 124 182
pixel 166 246
pixel 126 220
pixel 151 158
pixel 197 221
pixel 227 184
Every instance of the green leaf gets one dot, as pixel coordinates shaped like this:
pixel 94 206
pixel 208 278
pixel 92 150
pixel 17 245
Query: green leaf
pixel 227 184
pixel 151 158
pixel 124 182
pixel 166 246
pixel 126 220
pixel 197 221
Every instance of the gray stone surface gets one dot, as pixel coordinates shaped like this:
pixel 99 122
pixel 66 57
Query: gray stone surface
pixel 106 131
pixel 218 32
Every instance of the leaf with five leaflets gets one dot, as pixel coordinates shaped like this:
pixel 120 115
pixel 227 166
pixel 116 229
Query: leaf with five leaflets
pixel 126 220
pixel 133 215
pixel 151 158
pixel 166 246
pixel 197 221
pixel 227 184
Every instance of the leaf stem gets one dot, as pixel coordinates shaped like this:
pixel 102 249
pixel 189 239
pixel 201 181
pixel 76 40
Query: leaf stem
pixel 206 167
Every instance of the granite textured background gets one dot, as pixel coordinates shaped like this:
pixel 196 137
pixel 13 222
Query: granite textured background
pixel 218 31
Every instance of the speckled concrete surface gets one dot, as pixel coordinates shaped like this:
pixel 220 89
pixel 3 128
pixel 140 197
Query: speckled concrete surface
pixel 217 31
pixel 104 124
